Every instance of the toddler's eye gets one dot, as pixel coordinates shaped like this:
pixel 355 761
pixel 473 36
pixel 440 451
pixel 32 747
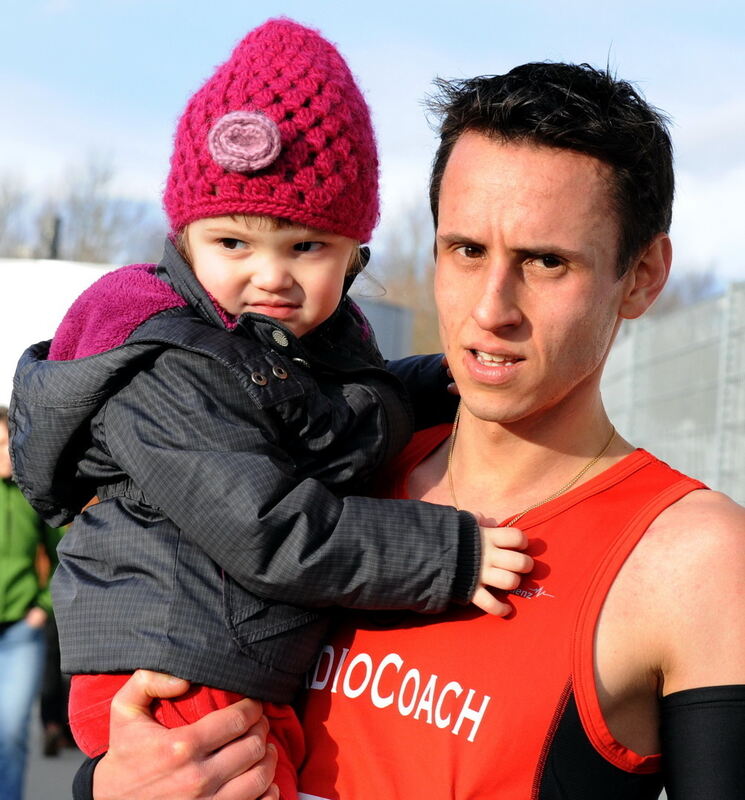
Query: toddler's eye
pixel 308 247
pixel 232 244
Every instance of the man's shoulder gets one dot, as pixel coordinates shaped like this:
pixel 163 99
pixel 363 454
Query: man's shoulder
pixel 702 521
pixel 697 541
pixel 701 525
pixel 700 518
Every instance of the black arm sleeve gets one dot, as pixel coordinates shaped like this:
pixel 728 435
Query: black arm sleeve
pixel 82 783
pixel 703 743
pixel 426 381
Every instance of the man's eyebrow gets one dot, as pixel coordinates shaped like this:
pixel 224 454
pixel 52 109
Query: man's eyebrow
pixel 456 238
pixel 552 249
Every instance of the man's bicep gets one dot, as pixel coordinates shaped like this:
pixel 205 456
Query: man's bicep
pixel 701 613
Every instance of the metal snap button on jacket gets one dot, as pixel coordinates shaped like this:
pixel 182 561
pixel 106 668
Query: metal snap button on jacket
pixel 280 338
pixel 259 379
pixel 279 372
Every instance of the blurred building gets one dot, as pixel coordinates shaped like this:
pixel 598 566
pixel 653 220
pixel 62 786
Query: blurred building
pixel 675 385
pixel 392 325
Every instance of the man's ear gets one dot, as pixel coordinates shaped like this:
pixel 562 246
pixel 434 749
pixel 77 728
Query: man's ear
pixel 646 279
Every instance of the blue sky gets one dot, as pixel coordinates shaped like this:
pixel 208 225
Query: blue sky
pixel 111 77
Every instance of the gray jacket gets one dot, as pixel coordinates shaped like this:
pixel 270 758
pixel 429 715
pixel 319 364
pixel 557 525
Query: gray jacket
pixel 226 460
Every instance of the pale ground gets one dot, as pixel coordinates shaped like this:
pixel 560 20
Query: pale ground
pixel 49 778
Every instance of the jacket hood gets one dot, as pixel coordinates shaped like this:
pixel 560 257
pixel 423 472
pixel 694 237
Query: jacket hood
pixel 60 385
pixel 52 405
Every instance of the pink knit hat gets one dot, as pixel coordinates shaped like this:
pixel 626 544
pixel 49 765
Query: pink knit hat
pixel 280 129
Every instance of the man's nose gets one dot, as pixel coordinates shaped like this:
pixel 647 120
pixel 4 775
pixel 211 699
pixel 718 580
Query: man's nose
pixel 497 305
pixel 271 273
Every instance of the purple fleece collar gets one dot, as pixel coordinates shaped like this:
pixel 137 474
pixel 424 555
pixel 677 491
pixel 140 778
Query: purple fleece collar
pixel 107 312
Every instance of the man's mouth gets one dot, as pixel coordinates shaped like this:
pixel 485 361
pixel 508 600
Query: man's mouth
pixel 495 359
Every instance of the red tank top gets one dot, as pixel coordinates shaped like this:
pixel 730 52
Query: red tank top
pixel 466 705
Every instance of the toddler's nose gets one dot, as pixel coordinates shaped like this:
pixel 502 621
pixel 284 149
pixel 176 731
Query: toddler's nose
pixel 271 274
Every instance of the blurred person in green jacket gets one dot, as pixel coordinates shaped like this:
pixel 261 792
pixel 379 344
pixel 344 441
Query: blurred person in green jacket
pixel 25 603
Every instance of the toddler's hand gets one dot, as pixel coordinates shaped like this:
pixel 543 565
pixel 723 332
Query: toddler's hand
pixel 502 566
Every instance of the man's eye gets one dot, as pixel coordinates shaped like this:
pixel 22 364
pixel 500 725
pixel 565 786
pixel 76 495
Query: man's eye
pixel 548 261
pixel 308 247
pixel 469 251
pixel 544 261
pixel 232 244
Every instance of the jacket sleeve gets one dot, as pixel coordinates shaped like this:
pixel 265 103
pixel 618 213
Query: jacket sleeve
pixel 194 444
pixel 426 381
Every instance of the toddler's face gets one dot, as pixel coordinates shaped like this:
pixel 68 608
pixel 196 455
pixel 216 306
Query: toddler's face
pixel 294 275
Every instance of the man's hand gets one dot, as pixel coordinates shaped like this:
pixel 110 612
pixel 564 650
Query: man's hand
pixel 223 755
pixel 502 566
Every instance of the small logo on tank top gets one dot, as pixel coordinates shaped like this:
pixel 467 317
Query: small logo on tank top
pixel 531 594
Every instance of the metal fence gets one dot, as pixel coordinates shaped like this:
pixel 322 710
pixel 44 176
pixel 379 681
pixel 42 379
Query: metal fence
pixel 675 385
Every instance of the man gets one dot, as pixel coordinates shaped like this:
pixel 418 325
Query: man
pixel 551 193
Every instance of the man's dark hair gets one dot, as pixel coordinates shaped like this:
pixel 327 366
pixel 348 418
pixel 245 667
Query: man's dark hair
pixel 4 414
pixel 574 107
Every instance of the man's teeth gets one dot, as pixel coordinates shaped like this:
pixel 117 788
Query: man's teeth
pixel 490 358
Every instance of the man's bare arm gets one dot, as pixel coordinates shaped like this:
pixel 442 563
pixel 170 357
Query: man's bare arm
pixel 703 704
pixel 671 647
pixel 700 597
pixel 674 618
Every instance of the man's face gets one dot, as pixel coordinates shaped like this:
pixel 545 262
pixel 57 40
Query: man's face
pixel 525 283
pixel 5 469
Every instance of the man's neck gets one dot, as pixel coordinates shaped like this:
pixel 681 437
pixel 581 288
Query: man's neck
pixel 500 470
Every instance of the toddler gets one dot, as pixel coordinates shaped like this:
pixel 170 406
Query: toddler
pixel 226 408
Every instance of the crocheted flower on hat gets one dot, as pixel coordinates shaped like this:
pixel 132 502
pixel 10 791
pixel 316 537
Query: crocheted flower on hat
pixel 244 141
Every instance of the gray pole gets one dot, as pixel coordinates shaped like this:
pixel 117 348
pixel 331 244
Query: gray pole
pixel 54 243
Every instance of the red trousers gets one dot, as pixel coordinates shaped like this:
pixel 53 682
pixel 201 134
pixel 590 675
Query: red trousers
pixel 90 702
